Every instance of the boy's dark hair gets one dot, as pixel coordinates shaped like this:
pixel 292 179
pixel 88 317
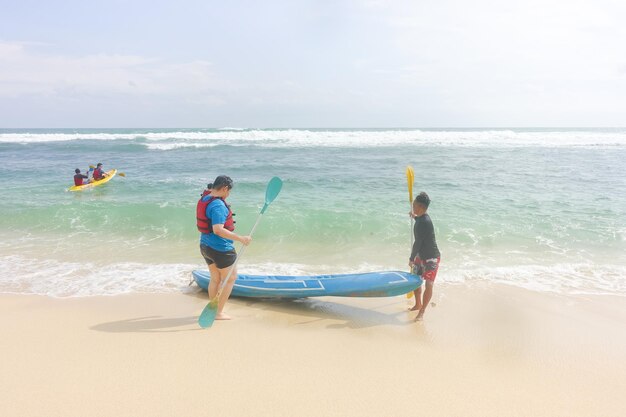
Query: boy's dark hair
pixel 209 186
pixel 423 199
pixel 222 181
pixel 77 171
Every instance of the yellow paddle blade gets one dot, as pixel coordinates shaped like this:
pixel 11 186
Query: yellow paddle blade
pixel 409 294
pixel 410 179
pixel 121 174
pixel 92 166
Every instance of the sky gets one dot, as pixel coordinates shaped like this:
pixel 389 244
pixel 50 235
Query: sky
pixel 298 63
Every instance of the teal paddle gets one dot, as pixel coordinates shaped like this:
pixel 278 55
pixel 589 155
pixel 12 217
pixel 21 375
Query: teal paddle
pixel 207 317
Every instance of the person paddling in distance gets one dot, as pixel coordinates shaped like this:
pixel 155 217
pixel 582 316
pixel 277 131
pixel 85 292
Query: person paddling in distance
pixel 425 255
pixel 207 190
pixel 80 179
pixel 216 225
pixel 98 173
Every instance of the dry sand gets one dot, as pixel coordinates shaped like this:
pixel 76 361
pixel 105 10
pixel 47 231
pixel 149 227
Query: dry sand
pixel 482 351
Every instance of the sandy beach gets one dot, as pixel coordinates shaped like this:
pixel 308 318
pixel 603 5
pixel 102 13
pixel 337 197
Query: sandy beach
pixel 482 351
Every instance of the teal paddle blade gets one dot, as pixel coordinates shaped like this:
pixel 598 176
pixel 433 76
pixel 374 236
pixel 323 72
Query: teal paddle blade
pixel 271 192
pixel 207 317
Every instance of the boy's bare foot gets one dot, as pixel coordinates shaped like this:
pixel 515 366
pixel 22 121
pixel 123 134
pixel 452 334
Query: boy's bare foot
pixel 420 316
pixel 415 307
pixel 222 316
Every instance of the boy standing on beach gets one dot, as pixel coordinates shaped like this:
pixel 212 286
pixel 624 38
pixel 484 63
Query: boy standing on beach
pixel 425 256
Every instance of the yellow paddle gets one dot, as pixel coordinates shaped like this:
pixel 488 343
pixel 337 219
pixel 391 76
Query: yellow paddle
pixel 409 180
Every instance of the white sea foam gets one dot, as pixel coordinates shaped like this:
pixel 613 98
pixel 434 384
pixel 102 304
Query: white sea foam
pixel 51 277
pixel 168 146
pixel 22 275
pixel 341 138
pixel 562 278
pixel 271 268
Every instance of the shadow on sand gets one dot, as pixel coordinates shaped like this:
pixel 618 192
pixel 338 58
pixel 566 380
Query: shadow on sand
pixel 301 312
pixel 150 324
pixel 304 311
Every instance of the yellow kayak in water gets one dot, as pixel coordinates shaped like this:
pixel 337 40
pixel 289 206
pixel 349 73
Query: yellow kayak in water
pixel 110 175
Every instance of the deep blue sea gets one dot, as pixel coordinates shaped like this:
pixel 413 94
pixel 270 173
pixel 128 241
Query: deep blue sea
pixel 543 209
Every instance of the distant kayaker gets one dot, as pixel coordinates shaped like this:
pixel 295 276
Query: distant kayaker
pixel 80 179
pixel 215 222
pixel 425 255
pixel 207 190
pixel 98 173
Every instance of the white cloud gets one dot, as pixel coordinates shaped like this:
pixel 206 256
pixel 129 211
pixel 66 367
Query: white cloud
pixel 26 70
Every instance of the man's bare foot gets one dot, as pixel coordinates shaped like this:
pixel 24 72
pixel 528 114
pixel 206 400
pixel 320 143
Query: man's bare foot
pixel 415 307
pixel 222 316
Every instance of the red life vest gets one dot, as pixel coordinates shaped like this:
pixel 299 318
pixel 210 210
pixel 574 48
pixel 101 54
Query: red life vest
pixel 204 223
pixel 78 179
pixel 97 174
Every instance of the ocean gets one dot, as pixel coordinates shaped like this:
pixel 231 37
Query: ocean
pixel 543 209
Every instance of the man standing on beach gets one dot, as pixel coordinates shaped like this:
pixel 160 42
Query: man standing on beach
pixel 425 256
pixel 214 220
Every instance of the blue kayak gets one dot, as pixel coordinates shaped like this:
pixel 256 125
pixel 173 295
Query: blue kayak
pixel 370 284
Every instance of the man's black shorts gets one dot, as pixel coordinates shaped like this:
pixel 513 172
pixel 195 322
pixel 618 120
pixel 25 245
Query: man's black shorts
pixel 220 259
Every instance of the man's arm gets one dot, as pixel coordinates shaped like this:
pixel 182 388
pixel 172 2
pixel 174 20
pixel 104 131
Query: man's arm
pixel 219 230
pixel 419 239
pixel 218 216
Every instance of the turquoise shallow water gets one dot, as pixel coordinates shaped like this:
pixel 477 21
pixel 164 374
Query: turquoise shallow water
pixel 539 208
